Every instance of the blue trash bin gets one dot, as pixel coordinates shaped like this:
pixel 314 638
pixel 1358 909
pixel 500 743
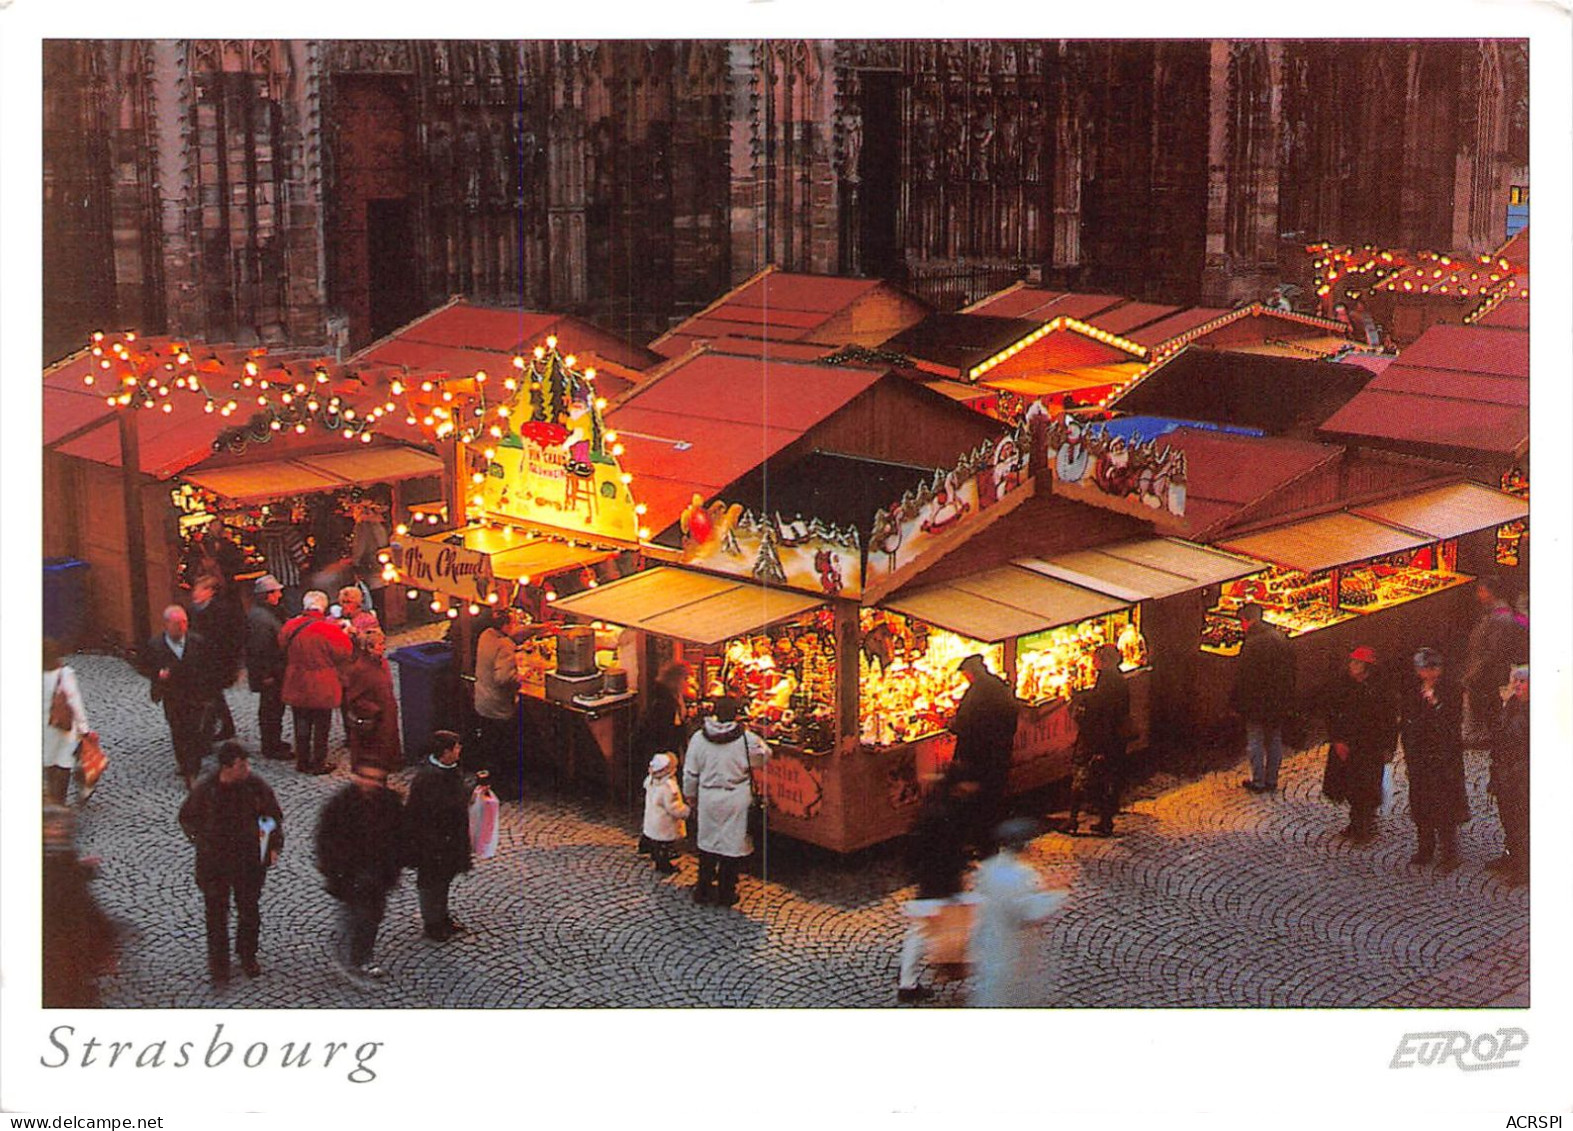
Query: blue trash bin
pixel 65 601
pixel 426 680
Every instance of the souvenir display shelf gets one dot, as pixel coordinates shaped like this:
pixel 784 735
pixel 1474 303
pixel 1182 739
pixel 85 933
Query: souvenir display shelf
pixel 787 675
pixel 1056 663
pixel 908 685
pixel 1300 602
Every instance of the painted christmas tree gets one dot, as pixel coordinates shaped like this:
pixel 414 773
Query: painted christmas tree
pixel 767 566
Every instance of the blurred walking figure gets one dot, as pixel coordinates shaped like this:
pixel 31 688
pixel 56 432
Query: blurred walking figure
pixel 1263 695
pixel 718 782
pixel 80 941
pixel 238 828
pixel 1011 901
pixel 1431 723
pixel 664 812
pixel 180 669
pixel 314 648
pixel 937 859
pixel 1362 727
pixel 265 663
pixel 217 617
pixel 437 833
pixel 371 713
pixel 1103 722
pixel 360 854
pixel 663 727
pixel 65 723
pixel 1510 777
pixel 1498 640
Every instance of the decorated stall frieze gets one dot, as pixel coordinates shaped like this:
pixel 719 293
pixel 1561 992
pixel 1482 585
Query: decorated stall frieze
pixel 1131 476
pixel 805 554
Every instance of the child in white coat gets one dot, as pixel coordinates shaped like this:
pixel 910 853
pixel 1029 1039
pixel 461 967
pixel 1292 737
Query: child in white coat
pixel 664 812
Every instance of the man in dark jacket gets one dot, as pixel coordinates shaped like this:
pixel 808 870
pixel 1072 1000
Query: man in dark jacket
pixel 1497 641
pixel 265 664
pixel 1263 696
pixel 235 822
pixel 437 833
pixel 360 854
pixel 1103 715
pixel 985 730
pixel 1362 728
pixel 179 666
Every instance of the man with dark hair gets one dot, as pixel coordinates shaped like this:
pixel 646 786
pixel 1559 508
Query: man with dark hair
pixel 497 701
pixel 1263 696
pixel 180 669
pixel 359 853
pixel 437 832
pixel 238 828
pixel 985 730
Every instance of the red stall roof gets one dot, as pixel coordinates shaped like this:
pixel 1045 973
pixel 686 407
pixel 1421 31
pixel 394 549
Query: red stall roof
pixel 711 418
pixel 776 305
pixel 1156 334
pixel 1023 301
pixel 462 337
pixel 1227 473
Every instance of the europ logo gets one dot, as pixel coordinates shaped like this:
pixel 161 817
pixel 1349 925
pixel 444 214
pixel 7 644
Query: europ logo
pixel 1468 1053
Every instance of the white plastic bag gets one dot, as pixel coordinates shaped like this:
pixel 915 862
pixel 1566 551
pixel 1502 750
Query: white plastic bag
pixel 484 830
pixel 1387 790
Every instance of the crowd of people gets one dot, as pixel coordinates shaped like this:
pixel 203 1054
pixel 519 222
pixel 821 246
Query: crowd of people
pixel 705 770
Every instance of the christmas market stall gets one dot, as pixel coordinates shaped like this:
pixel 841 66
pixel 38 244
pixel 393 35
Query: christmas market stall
pixel 1352 547
pixel 180 433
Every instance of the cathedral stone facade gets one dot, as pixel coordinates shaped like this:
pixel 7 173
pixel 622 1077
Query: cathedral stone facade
pixel 323 193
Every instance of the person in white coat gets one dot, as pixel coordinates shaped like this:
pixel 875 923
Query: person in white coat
pixel 718 781
pixel 1011 900
pixel 664 812
pixel 60 743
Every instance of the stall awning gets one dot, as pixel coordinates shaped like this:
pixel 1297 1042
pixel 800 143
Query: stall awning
pixel 301 475
pixel 688 606
pixel 1143 570
pixel 1448 512
pixel 1000 604
pixel 516 556
pixel 1324 542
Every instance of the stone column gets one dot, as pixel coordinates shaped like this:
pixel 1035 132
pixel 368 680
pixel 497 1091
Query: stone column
pixel 169 108
pixel 745 90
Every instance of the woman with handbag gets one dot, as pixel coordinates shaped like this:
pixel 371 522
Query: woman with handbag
pixel 371 713
pixel 65 726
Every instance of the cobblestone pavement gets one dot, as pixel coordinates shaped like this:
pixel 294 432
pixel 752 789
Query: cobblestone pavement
pixel 1207 896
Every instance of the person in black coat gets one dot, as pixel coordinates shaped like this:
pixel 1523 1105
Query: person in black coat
pixel 437 833
pixel 180 668
pixel 1263 695
pixel 218 618
pixel 1103 719
pixel 985 730
pixel 1510 778
pixel 265 664
pixel 1431 722
pixel 663 726
pixel 1362 727
pixel 360 853
pixel 238 828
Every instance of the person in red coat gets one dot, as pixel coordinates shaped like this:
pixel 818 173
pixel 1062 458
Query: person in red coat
pixel 314 649
pixel 370 711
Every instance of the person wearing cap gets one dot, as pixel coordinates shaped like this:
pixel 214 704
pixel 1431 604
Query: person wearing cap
pixel 985 730
pixel 1431 723
pixel 1263 695
pixel 236 824
pixel 1011 900
pixel 360 852
pixel 718 774
pixel 1509 782
pixel 1362 728
pixel 265 663
pixel 665 812
pixel 437 832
